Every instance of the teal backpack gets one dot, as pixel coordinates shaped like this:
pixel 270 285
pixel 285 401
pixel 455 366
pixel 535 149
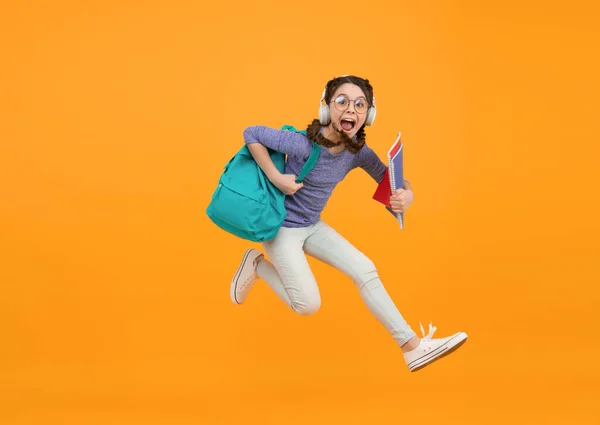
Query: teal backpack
pixel 245 202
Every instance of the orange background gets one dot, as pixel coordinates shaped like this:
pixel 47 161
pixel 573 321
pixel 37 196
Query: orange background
pixel 116 121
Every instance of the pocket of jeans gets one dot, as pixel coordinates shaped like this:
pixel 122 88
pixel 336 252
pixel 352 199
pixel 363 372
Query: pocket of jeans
pixel 324 239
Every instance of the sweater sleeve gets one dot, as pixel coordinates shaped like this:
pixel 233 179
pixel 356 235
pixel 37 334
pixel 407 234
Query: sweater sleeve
pixel 287 142
pixel 370 162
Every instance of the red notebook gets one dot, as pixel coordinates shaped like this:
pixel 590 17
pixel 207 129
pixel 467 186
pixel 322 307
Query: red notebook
pixel 384 190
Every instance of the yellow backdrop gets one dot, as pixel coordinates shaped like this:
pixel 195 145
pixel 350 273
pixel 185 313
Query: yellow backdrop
pixel 117 118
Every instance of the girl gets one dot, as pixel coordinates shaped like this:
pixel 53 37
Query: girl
pixel 340 130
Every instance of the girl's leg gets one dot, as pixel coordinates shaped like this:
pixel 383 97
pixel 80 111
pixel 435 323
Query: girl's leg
pixel 330 247
pixel 288 273
pixel 291 278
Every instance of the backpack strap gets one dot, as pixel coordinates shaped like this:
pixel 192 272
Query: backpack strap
pixel 310 162
pixel 312 159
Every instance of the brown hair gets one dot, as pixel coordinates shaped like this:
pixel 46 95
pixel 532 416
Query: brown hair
pixel 313 130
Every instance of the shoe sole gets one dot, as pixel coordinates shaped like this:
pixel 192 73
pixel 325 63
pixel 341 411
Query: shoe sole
pixel 234 281
pixel 445 351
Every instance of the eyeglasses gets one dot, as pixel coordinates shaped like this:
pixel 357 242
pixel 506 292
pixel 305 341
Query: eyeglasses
pixel 342 103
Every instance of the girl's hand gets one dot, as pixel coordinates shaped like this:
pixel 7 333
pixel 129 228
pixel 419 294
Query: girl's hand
pixel 402 198
pixel 287 183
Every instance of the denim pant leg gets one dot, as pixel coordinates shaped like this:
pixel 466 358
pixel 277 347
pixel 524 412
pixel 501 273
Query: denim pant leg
pixel 329 246
pixel 287 271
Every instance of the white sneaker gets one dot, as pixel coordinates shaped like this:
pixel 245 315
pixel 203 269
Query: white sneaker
pixel 246 276
pixel 430 350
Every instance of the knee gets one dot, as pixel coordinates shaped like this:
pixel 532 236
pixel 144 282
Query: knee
pixel 307 307
pixel 366 273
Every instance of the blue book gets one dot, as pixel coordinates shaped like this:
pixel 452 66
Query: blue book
pixel 396 172
pixel 392 179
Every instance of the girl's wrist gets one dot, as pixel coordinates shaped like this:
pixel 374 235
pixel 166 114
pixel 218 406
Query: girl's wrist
pixel 273 175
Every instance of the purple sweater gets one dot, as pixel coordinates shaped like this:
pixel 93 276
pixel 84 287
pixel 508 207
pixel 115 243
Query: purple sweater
pixel 305 206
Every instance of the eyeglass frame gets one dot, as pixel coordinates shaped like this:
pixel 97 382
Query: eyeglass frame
pixel 353 101
pixel 325 92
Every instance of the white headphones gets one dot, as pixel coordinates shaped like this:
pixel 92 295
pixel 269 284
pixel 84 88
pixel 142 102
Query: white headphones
pixel 324 117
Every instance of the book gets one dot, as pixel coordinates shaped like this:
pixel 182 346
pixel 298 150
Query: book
pixel 393 178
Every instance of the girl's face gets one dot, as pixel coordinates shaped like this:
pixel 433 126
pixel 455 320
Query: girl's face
pixel 348 109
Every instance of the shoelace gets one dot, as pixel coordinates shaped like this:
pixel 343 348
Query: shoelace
pixel 432 329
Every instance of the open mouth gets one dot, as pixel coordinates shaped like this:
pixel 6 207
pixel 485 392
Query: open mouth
pixel 347 124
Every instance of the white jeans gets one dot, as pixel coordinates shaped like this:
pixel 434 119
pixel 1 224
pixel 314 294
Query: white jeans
pixel 289 274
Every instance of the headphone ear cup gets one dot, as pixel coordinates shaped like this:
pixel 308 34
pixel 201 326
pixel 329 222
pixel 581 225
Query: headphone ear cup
pixel 370 116
pixel 324 114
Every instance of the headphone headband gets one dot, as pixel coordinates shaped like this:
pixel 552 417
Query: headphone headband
pixel 339 76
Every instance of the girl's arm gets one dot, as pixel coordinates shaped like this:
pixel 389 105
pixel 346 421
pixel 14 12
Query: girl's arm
pixel 288 142
pixel 258 138
pixel 370 162
pixel 264 161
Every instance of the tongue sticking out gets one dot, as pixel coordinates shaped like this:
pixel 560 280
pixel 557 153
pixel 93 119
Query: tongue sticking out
pixel 347 125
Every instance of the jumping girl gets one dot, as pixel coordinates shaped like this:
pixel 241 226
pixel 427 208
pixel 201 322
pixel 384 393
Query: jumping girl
pixel 340 129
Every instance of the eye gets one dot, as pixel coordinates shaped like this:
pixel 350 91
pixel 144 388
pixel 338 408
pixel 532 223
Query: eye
pixel 341 100
pixel 361 104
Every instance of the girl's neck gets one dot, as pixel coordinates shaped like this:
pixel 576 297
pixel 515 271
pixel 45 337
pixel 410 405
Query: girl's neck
pixel 331 134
